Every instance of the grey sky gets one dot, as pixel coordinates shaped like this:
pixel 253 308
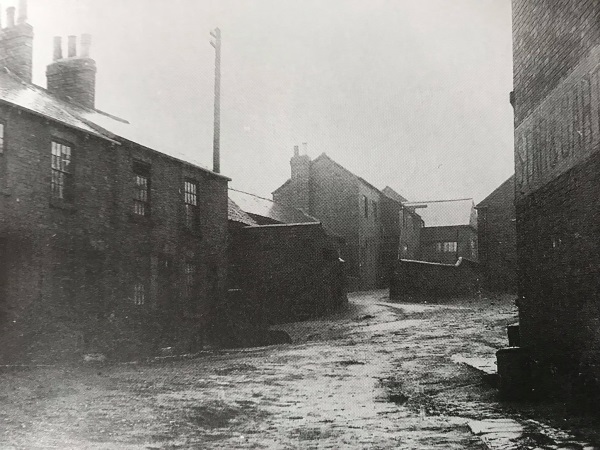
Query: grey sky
pixel 411 94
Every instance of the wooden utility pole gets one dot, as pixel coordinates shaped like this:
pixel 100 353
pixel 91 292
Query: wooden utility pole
pixel 216 34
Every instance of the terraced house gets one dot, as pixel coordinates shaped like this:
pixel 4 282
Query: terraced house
pixel 106 242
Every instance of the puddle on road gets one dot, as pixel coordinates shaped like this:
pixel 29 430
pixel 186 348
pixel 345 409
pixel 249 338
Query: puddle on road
pixel 394 325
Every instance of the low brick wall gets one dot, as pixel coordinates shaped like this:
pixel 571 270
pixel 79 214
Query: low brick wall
pixel 289 272
pixel 425 279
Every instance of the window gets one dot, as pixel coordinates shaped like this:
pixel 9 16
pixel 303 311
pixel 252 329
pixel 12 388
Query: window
pixel 374 209
pixel 446 247
pixel 62 174
pixel 366 202
pixel 1 138
pixel 141 195
pixel 139 293
pixel 191 204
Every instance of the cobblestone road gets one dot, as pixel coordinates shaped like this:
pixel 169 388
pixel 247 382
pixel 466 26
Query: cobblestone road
pixel 378 375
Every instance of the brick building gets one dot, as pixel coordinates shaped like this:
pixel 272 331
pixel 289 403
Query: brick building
pixel 285 269
pixel 345 204
pixel 449 231
pixel 557 175
pixel 497 238
pixel 404 223
pixel 106 243
pixel 401 232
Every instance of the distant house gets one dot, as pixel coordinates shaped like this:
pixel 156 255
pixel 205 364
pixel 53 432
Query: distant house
pixel 407 224
pixel 449 232
pixel 497 238
pixel 401 232
pixel 344 203
pixel 108 244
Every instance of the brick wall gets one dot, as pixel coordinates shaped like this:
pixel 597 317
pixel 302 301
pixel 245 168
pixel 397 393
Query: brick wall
pixel 74 266
pixel 497 238
pixel 550 37
pixel 390 237
pixel 337 201
pixel 289 272
pixel 369 229
pixel 334 201
pixel 410 234
pixel 16 50
pixel 559 260
pixel 557 87
pixel 423 280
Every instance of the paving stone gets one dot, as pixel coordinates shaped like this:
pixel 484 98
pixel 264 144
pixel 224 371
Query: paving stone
pixel 486 365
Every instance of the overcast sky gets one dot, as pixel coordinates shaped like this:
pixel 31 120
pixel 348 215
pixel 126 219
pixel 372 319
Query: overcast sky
pixel 411 94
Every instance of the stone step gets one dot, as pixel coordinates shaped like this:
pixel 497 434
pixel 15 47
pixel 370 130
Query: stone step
pixel 509 434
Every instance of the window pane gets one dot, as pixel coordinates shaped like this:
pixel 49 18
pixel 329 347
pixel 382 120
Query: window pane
pixel 61 170
pixel 1 137
pixel 141 193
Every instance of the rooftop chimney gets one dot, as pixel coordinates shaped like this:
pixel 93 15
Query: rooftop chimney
pixel 16 43
pixel 73 78
pixel 72 47
pixel 10 16
pixel 57 48
pixel 300 181
pixel 22 12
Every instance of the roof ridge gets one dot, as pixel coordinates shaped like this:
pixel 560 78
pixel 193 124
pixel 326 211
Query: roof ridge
pixel 257 196
pixel 440 201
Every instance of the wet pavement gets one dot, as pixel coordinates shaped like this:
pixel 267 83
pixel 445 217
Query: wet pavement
pixel 378 375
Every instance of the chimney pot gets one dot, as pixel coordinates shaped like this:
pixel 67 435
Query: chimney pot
pixel 72 43
pixel 86 42
pixel 72 78
pixel 296 150
pixel 305 148
pixel 22 11
pixel 10 16
pixel 57 48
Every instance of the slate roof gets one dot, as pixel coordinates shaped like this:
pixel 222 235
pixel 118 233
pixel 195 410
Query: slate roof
pixel 506 188
pixel 390 193
pixel 446 213
pixel 235 214
pixel 258 206
pixel 39 101
pixel 327 157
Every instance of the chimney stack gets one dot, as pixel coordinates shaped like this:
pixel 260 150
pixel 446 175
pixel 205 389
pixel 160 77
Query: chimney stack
pixel 16 43
pixel 57 48
pixel 72 46
pixel 10 17
pixel 73 78
pixel 22 12
pixel 300 181
pixel 86 43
